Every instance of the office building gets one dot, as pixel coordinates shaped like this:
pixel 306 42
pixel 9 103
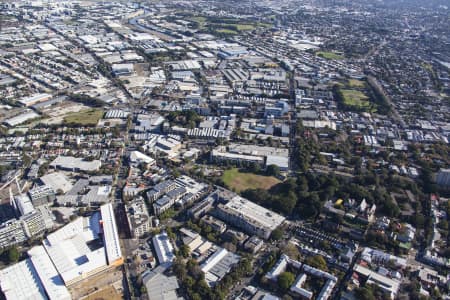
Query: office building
pixel 250 217
pixel 12 232
pixel 42 195
pixel 138 217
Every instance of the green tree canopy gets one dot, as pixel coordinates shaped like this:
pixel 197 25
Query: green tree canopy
pixel 184 250
pixel 273 170
pixel 285 280
pixel 317 261
pixel 13 255
pixel 364 293
pixel 276 235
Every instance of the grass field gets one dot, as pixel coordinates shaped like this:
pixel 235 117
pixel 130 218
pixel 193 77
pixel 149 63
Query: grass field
pixel 355 83
pixel 238 181
pixel 244 27
pixel 87 117
pixel 329 55
pixel 198 19
pixel 226 31
pixel 108 293
pixel 355 98
pixel 428 67
pixel 228 26
pixel 222 28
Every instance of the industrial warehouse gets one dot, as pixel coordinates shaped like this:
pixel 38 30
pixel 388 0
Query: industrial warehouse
pixel 79 250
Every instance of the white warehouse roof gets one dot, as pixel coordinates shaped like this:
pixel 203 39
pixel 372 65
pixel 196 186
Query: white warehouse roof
pixel 110 236
pixel 52 282
pixel 163 247
pixel 21 281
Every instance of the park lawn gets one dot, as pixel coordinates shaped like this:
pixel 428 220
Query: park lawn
pixel 201 21
pixel 428 67
pixel 69 22
pixel 355 98
pixel 226 31
pixel 88 117
pixel 198 19
pixel 355 83
pixel 265 25
pixel 239 181
pixel 329 55
pixel 244 27
pixel 224 25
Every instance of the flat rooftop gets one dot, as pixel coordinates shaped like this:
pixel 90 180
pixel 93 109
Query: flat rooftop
pixel 69 251
pixel 76 249
pixel 110 235
pixel 52 282
pixel 21 281
pixel 384 282
pixel 164 248
pixel 76 163
pixel 57 181
pixel 254 212
pixel 68 255
pixel 255 150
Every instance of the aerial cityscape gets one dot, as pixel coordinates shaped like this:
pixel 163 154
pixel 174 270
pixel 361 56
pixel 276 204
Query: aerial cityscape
pixel 224 149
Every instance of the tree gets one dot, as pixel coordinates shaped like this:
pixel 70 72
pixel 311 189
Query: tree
pixel 273 170
pixel 259 196
pixel 203 288
pixel 185 251
pixel 254 168
pixel 179 268
pixel 364 293
pixel 143 289
pixel 285 203
pixel 285 280
pixel 13 255
pixel 310 205
pixel 86 99
pixel 292 251
pixel 194 269
pixel 325 245
pixel 26 160
pixel 245 267
pixel 176 173
pixel 230 246
pixel 277 234
pixel 196 296
pixel 317 261
pixel 171 234
pixel 443 225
